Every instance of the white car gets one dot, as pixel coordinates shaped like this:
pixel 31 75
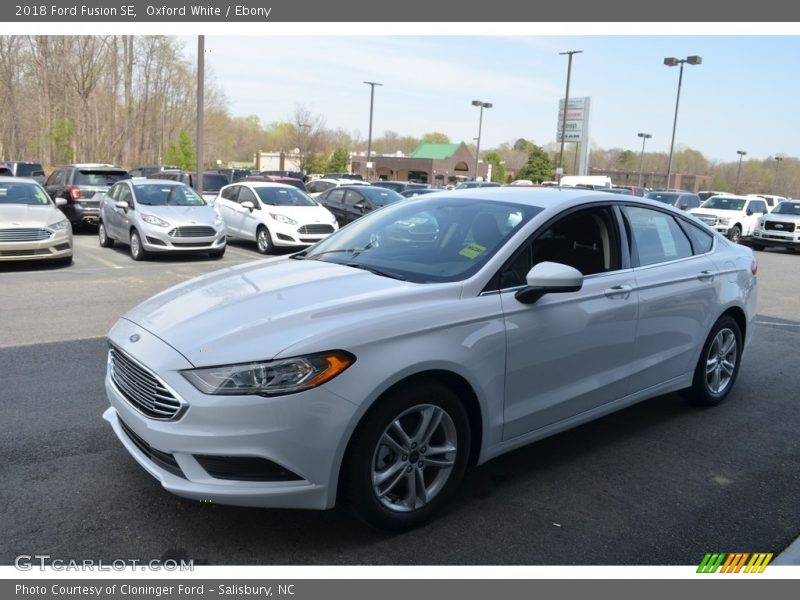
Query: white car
pixel 155 216
pixel 780 228
pixel 733 216
pixel 31 225
pixel 273 215
pixel 435 333
pixel 318 186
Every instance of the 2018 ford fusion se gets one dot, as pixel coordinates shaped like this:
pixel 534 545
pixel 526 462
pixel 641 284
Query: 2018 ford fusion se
pixel 432 334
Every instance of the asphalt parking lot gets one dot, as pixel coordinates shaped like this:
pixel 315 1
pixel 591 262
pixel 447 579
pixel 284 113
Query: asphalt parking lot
pixel 658 483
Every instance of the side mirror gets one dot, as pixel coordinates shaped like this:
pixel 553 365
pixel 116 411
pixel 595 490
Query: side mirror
pixel 122 204
pixel 61 202
pixel 549 278
pixel 248 205
pixel 749 212
pixel 683 206
pixel 360 206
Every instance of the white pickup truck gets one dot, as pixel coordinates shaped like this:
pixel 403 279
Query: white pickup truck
pixel 733 216
pixel 780 228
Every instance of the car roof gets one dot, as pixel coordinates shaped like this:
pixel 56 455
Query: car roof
pixel 12 179
pixel 151 181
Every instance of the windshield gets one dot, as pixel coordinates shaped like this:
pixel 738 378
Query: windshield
pixel 380 196
pixel 23 193
pixel 425 240
pixel 724 203
pixel 29 169
pixel 283 196
pixel 158 194
pixel 787 208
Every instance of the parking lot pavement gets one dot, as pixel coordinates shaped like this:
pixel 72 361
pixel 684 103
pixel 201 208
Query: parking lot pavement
pixel 46 304
pixel 658 483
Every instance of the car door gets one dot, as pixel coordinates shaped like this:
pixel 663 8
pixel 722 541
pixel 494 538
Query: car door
pixel 356 205
pixel 568 353
pixel 108 211
pixel 677 297
pixel 246 220
pixel 227 205
pixel 333 200
pixel 124 218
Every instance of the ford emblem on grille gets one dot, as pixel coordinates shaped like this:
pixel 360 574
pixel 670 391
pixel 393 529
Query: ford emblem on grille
pixel 135 338
pixel 778 226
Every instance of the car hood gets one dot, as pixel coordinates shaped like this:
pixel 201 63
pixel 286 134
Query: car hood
pixel 182 215
pixel 26 215
pixel 716 212
pixel 781 218
pixel 256 310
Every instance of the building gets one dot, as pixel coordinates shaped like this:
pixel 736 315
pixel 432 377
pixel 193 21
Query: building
pixel 435 164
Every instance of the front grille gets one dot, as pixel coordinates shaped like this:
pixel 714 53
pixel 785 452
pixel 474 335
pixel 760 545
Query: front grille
pixel 316 229
pixel 245 468
pixel 779 226
pixel 24 234
pixel 707 219
pixel 165 460
pixel 192 244
pixel 142 389
pixel 193 231
pixel 11 253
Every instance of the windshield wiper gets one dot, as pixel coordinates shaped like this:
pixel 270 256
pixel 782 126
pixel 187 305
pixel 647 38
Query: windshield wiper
pixel 374 270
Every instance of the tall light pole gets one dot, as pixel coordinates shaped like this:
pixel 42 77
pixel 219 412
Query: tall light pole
pixel 201 62
pixel 480 125
pixel 566 108
pixel 302 145
pixel 778 160
pixel 371 85
pixel 645 137
pixel 741 154
pixel 671 62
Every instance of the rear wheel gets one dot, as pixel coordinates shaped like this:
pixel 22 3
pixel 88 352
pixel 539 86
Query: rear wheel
pixel 735 234
pixel 102 236
pixel 718 365
pixel 137 250
pixel 409 456
pixel 264 240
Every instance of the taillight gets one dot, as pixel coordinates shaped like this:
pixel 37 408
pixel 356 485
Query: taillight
pixel 74 192
pixel 754 267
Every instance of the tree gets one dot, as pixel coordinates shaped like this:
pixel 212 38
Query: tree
pixel 181 153
pixel 498 168
pixel 538 168
pixel 435 137
pixel 339 161
pixel 308 129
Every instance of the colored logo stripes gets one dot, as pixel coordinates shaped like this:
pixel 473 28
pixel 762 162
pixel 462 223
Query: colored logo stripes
pixel 735 562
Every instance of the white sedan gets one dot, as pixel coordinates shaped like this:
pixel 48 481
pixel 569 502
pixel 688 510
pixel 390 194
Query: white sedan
pixel 273 215
pixel 430 335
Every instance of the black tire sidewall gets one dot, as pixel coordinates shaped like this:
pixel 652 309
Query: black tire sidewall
pixel 358 480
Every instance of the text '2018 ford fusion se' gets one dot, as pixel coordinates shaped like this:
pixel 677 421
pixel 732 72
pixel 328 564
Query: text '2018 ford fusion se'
pixel 432 334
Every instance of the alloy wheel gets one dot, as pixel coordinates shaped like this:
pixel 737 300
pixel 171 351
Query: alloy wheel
pixel 721 361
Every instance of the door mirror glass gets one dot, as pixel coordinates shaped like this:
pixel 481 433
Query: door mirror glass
pixel 248 205
pixel 61 202
pixel 121 204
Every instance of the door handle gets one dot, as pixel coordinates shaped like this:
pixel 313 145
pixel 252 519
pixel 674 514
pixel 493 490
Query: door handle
pixel 705 276
pixel 619 291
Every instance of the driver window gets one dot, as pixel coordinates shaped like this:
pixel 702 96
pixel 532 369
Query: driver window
pixel 585 240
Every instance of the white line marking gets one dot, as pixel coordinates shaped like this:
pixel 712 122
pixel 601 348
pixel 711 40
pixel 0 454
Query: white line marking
pixel 778 324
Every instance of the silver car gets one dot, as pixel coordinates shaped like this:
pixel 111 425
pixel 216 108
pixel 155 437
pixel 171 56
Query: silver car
pixel 435 333
pixel 31 225
pixel 154 215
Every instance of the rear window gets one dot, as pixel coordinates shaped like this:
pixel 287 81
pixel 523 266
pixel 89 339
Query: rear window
pixel 29 169
pixel 100 177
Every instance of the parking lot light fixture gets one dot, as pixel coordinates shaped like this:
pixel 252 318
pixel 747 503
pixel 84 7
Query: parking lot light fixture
pixel 778 160
pixel 672 62
pixel 645 137
pixel 482 105
pixel 566 107
pixel 741 154
pixel 371 85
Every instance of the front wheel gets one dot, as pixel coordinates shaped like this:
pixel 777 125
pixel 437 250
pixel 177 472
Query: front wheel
pixel 718 365
pixel 264 241
pixel 217 254
pixel 758 247
pixel 735 234
pixel 409 456
pixel 137 250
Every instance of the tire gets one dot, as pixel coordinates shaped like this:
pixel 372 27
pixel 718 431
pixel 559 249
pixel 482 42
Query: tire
pixel 264 240
pixel 102 236
pixel 387 470
pixel 217 254
pixel 758 247
pixel 735 234
pixel 63 262
pixel 137 250
pixel 718 365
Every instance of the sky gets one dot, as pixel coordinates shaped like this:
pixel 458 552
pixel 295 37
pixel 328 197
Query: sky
pixel 742 96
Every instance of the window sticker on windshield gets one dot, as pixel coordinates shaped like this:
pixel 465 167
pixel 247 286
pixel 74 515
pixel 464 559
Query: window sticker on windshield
pixel 473 251
pixel 40 195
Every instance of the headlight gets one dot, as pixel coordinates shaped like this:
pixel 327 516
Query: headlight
pixel 270 378
pixel 283 219
pixel 154 220
pixel 218 222
pixel 60 226
pixel 724 220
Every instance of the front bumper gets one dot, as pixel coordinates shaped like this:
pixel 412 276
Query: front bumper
pixel 58 245
pixel 300 433
pixel 780 240
pixel 157 239
pixel 295 236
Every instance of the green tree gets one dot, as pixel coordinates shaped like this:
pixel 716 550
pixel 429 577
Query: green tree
pixel 435 137
pixel 181 153
pixel 61 133
pixel 498 168
pixel 315 163
pixel 538 168
pixel 339 161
